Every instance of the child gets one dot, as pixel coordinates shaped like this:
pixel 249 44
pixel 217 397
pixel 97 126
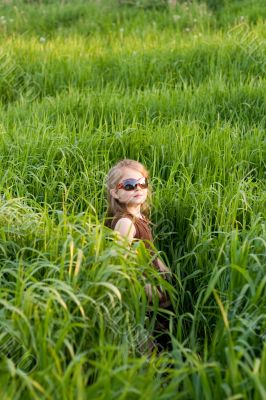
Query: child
pixel 128 208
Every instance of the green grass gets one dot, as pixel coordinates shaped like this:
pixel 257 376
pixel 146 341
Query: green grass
pixel 182 89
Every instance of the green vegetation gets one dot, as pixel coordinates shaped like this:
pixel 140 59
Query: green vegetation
pixel 182 89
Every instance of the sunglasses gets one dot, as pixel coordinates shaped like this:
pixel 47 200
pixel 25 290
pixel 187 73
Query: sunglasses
pixel 132 184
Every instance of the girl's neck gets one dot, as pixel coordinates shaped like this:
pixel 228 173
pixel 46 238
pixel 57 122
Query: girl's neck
pixel 134 211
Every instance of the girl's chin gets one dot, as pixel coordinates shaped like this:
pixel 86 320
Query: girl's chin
pixel 135 201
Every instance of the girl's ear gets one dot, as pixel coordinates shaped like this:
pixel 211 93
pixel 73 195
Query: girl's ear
pixel 113 193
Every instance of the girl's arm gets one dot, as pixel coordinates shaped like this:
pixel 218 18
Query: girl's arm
pixel 162 266
pixel 126 228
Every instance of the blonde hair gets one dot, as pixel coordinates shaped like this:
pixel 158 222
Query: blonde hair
pixel 114 177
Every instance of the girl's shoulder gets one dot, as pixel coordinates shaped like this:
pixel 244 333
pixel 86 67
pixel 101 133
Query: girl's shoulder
pixel 135 220
pixel 141 225
pixel 119 217
pixel 126 227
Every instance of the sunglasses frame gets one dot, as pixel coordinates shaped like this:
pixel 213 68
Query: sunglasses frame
pixel 135 184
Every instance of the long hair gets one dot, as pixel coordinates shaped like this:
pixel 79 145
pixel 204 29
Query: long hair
pixel 114 176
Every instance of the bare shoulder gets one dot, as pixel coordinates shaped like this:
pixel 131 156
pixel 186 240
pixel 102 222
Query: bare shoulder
pixel 125 227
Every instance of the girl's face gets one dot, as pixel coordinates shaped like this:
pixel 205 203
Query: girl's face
pixel 135 197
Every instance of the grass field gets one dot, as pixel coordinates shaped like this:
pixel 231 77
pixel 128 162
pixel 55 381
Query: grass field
pixel 182 88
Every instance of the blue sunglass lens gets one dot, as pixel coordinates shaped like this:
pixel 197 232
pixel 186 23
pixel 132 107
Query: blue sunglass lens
pixel 131 184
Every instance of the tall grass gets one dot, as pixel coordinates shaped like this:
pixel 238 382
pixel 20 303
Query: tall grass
pixel 182 89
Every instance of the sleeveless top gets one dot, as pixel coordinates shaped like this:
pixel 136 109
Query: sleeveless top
pixel 141 225
pixel 143 232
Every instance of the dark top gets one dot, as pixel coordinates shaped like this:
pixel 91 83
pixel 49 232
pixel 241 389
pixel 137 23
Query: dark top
pixel 141 225
pixel 143 232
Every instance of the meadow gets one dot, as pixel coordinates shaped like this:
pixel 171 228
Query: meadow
pixel 180 87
